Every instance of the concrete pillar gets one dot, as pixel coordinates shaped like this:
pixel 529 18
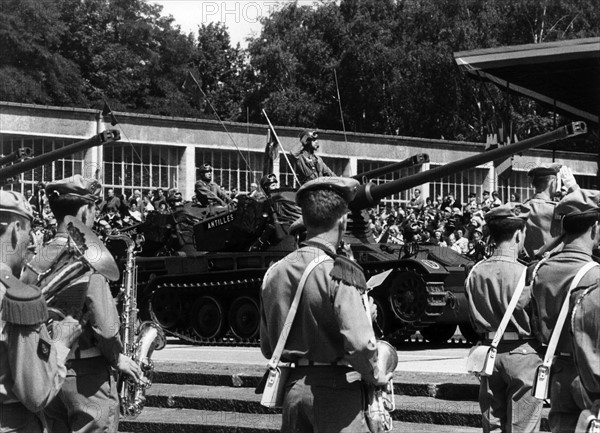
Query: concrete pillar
pixel 425 187
pixel 351 168
pixel 92 165
pixel 187 172
pixel 489 183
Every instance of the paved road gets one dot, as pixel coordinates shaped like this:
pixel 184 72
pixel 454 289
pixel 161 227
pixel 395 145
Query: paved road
pixel 445 360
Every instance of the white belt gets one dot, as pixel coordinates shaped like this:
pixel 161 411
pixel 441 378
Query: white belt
pixel 93 352
pixel 508 336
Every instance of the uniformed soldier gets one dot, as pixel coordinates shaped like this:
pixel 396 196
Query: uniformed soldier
pixel 32 364
pixel 580 214
pixel 208 193
pixel 331 329
pixel 505 397
pixel 543 226
pixel 310 166
pixel 88 401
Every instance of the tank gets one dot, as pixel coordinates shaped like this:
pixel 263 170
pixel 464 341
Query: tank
pixel 200 270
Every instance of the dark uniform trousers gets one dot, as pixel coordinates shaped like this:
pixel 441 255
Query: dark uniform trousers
pixel 88 400
pixel 14 417
pixel 508 390
pixel 319 399
pixel 568 397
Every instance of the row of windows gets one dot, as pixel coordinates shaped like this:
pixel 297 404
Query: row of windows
pixel 146 167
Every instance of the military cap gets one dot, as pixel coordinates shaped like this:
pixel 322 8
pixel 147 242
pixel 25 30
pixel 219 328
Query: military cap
pixel 306 136
pixel 14 202
pixel 76 186
pixel 206 167
pixel 508 211
pixel 544 170
pixel 579 202
pixel 346 187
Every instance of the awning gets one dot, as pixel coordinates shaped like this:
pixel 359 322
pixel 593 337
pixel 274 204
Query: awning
pixel 564 75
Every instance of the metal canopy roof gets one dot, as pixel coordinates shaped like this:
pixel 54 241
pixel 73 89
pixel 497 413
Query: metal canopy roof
pixel 564 75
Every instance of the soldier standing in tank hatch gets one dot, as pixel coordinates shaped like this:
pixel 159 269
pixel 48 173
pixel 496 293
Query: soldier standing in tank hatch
pixel 208 193
pixel 310 166
pixel 32 364
pixel 88 401
pixel 543 226
pixel 581 231
pixel 505 397
pixel 331 329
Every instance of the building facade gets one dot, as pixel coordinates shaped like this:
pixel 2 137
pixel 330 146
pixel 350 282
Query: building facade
pixel 165 152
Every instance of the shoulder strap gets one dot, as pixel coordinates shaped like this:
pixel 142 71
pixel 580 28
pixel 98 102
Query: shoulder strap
pixel 292 313
pixel 510 309
pixel 564 310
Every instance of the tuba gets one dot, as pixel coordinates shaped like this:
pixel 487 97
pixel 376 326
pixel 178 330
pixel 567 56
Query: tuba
pixel 138 344
pixel 82 253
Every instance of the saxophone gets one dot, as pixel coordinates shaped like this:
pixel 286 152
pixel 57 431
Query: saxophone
pixel 138 344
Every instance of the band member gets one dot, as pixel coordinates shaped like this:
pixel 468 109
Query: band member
pixel 32 365
pixel 505 397
pixel 331 330
pixel 310 166
pixel 208 193
pixel 88 401
pixel 580 214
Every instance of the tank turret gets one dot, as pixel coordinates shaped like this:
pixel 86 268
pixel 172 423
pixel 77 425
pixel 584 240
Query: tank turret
pixel 9 171
pixel 210 292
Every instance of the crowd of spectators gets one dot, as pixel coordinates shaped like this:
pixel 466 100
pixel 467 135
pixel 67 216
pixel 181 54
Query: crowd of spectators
pixel 445 221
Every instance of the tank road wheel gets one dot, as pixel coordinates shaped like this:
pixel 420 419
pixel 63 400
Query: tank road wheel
pixel 165 309
pixel 408 296
pixel 207 319
pixel 244 317
pixel 438 333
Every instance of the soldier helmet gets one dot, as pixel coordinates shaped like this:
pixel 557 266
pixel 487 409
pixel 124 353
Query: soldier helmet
pixel 308 137
pixel 206 168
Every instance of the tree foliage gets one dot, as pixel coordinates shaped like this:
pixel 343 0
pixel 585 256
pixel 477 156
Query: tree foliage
pixel 391 61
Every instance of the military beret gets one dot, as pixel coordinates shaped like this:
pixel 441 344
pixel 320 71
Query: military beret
pixel 508 211
pixel 346 187
pixel 579 202
pixel 544 170
pixel 306 136
pixel 22 304
pixel 76 186
pixel 14 202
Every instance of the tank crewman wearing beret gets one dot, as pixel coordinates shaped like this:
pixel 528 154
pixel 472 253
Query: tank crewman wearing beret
pixel 581 231
pixel 505 397
pixel 32 364
pixel 208 193
pixel 331 329
pixel 310 166
pixel 543 225
pixel 88 401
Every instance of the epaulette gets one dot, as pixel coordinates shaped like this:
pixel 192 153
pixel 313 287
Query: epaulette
pixel 348 272
pixel 22 304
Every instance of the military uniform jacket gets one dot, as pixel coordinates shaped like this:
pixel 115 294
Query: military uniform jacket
pixel 209 193
pixel 32 366
pixel 542 226
pixel 550 287
pixel 490 288
pixel 310 166
pixel 103 323
pixel 331 323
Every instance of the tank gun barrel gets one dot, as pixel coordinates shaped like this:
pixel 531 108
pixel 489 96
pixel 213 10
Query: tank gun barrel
pixel 412 161
pixel 18 155
pixel 369 194
pixel 104 137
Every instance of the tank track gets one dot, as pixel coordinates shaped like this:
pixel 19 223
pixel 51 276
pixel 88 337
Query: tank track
pixel 434 303
pixel 220 288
